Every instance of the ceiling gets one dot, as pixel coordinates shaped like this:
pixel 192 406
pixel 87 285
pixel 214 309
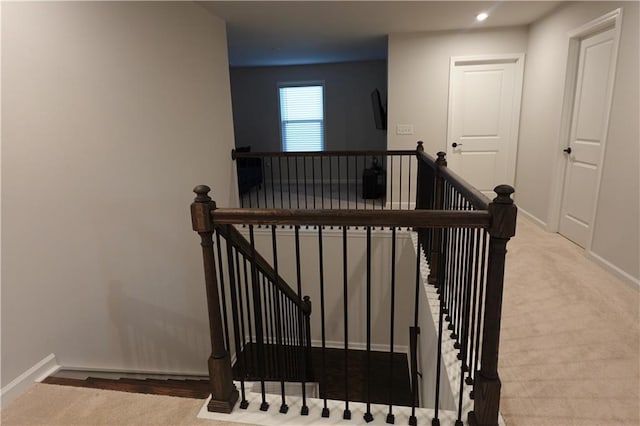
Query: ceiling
pixel 264 33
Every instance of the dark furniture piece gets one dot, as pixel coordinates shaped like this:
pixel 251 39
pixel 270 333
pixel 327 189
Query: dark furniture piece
pixel 374 182
pixel 249 171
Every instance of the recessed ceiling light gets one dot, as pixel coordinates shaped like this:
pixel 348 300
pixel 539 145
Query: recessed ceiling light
pixel 482 16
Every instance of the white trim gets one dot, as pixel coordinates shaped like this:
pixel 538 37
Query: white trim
pixel 532 218
pixel 622 275
pixel 611 19
pixel 20 384
pixel 518 60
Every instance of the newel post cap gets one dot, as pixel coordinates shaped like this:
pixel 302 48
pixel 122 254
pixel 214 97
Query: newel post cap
pixel 420 147
pixel 201 209
pixel 442 158
pixel 504 194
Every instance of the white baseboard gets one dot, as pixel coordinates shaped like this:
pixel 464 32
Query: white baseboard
pixel 532 218
pixel 624 276
pixel 37 373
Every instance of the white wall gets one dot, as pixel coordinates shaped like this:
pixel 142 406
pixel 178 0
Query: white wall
pixel 349 122
pixel 419 78
pixel 617 227
pixel 111 113
pixel 356 276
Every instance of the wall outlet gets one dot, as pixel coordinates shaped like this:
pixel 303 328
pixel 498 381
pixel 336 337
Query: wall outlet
pixel 404 129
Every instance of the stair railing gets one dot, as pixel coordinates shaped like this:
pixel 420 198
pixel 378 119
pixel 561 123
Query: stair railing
pixel 461 235
pixel 367 180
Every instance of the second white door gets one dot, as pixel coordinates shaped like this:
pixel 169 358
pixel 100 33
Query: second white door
pixel 484 111
pixel 588 126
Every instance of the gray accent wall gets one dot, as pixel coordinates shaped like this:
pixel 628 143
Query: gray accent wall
pixel 349 121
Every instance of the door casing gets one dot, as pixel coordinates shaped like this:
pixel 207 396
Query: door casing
pixel 610 20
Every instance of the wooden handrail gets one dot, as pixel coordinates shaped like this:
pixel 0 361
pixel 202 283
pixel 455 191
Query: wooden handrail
pixel 475 197
pixel 235 154
pixel 399 218
pixel 233 236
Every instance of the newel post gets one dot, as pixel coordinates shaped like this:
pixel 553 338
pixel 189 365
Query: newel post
pixel 421 198
pixel 223 392
pixel 438 204
pixel 486 387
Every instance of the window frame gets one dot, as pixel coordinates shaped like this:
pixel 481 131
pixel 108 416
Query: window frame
pixel 309 83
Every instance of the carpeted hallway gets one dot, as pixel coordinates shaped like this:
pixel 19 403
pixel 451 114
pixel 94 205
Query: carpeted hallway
pixel 570 352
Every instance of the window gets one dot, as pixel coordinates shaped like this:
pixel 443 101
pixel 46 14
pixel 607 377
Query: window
pixel 302 117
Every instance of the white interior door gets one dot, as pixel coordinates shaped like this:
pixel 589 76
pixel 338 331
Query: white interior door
pixel 588 126
pixel 484 111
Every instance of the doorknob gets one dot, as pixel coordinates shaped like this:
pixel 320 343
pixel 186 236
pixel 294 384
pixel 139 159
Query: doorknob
pixel 454 145
pixel 567 150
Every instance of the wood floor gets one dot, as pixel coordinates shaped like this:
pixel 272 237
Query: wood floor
pixel 388 381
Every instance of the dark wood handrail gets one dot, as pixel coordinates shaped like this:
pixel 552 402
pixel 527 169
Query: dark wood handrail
pixel 233 236
pixel 235 154
pixel 475 197
pixel 399 218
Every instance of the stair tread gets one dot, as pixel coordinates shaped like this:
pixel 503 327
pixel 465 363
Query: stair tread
pixel 186 390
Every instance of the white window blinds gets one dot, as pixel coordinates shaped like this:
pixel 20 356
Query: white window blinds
pixel 302 118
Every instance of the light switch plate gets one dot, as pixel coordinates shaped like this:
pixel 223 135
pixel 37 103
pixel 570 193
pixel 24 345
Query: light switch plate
pixel 404 129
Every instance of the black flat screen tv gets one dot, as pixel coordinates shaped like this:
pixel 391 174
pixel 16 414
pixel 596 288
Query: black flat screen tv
pixel 379 114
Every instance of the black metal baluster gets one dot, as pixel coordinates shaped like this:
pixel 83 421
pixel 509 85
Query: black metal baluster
pixel 347 413
pixel 391 185
pixel 347 161
pixel 257 315
pixel 400 188
pixel 279 327
pixel 414 368
pixel 289 180
pixel 264 182
pixel 273 192
pixel 313 180
pixel 331 182
pixel 281 192
pixel 297 160
pixel 339 186
pixel 304 410
pixel 451 260
pixel 304 170
pixel 441 278
pixel 464 343
pixel 236 325
pixel 249 322
pixel 325 409
pixel 222 293
pixel 245 367
pixel 480 302
pixel 467 303
pixel 409 191
pixel 272 349
pixel 390 417
pixel 474 307
pixel 461 279
pixel 368 417
pixel 455 276
pixel 322 180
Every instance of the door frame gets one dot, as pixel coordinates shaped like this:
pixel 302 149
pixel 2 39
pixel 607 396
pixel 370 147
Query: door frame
pixel 611 20
pixel 518 60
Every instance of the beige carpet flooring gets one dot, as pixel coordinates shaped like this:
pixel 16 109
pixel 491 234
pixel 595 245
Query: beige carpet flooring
pixel 570 352
pixel 570 343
